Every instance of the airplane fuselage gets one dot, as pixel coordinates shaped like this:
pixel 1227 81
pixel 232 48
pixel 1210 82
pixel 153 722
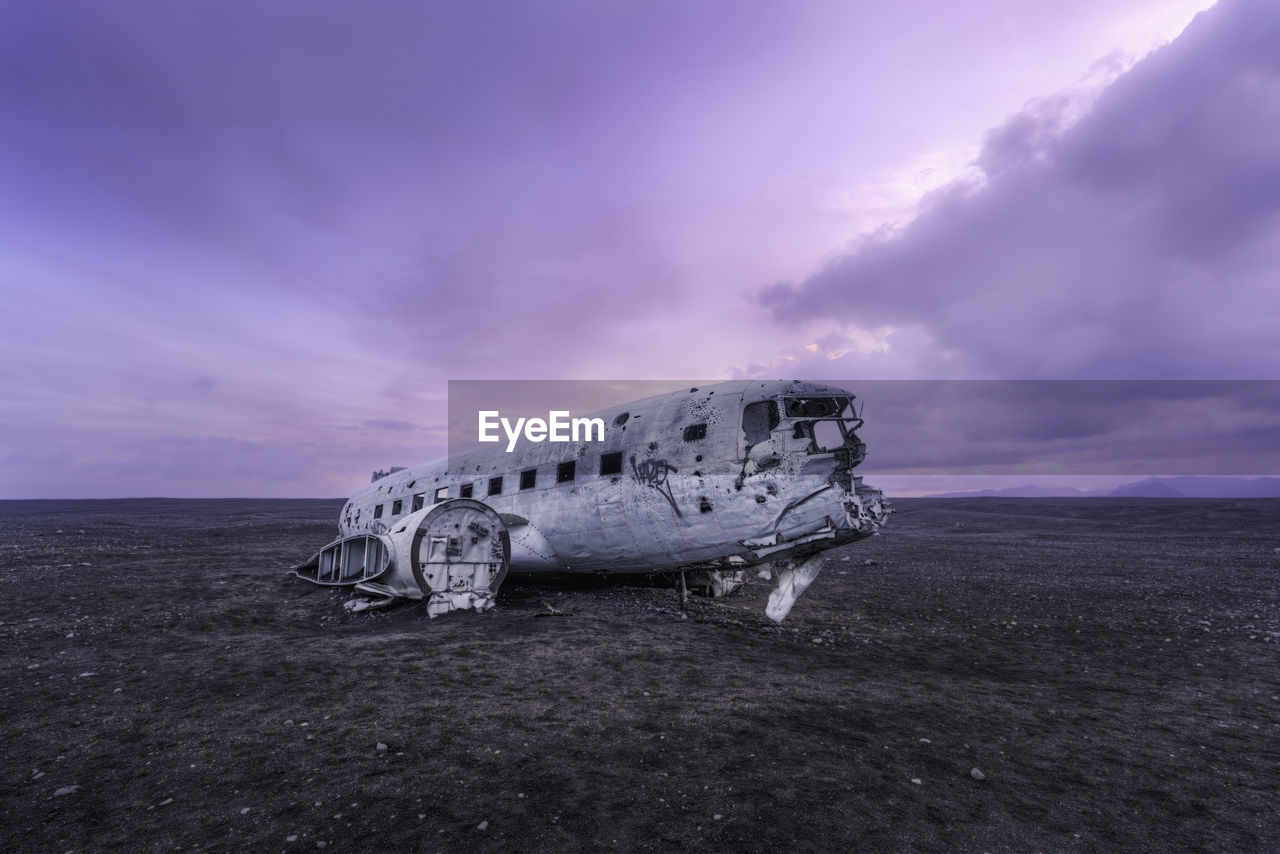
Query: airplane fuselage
pixel 747 472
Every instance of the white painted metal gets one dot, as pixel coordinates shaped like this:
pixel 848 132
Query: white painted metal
pixel 751 491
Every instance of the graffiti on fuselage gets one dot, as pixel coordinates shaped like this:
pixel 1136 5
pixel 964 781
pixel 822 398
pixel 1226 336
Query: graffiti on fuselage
pixel 654 473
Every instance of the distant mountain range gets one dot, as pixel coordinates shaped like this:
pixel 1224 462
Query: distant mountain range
pixel 1190 486
pixel 1187 486
pixel 1025 491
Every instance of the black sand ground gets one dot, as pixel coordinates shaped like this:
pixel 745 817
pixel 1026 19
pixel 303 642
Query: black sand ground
pixel 1111 666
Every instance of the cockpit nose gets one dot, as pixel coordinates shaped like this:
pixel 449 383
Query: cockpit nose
pixel 821 424
pixel 826 421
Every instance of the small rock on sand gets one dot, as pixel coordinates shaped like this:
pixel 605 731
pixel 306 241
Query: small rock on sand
pixel 482 825
pixel 381 747
pixel 66 790
pixel 977 774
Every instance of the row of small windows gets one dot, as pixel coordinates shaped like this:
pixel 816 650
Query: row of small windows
pixel 565 472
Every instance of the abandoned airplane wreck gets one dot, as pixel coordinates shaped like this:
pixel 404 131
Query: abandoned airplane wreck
pixel 706 481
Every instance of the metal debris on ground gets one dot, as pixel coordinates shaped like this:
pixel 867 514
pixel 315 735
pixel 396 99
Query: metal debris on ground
pixel 550 612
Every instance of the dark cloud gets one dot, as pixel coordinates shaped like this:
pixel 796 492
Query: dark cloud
pixel 1139 241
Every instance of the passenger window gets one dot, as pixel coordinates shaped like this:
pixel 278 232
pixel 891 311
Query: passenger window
pixel 466 490
pixel 495 485
pixel 418 501
pixel 695 432
pixel 395 507
pixel 564 471
pixel 441 494
pixel 758 419
pixel 611 463
pixel 528 478
pixel 377 512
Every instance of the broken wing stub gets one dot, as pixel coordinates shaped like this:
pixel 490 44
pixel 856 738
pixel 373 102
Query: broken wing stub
pixel 866 509
pixel 454 554
pixel 793 579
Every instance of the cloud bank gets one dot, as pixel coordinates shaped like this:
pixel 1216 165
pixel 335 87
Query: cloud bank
pixel 1141 240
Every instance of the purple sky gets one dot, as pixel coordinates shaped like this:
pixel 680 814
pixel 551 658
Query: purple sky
pixel 243 246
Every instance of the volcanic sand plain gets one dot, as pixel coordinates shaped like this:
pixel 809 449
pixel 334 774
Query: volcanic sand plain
pixel 1091 675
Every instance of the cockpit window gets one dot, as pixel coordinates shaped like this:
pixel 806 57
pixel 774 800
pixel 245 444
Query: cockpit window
pixel 758 419
pixel 815 407
pixel 832 421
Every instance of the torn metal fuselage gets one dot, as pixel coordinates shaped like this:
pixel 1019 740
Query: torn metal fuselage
pixel 706 481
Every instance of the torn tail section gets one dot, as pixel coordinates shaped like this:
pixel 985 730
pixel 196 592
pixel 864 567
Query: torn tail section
pixel 454 554
pixel 349 560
